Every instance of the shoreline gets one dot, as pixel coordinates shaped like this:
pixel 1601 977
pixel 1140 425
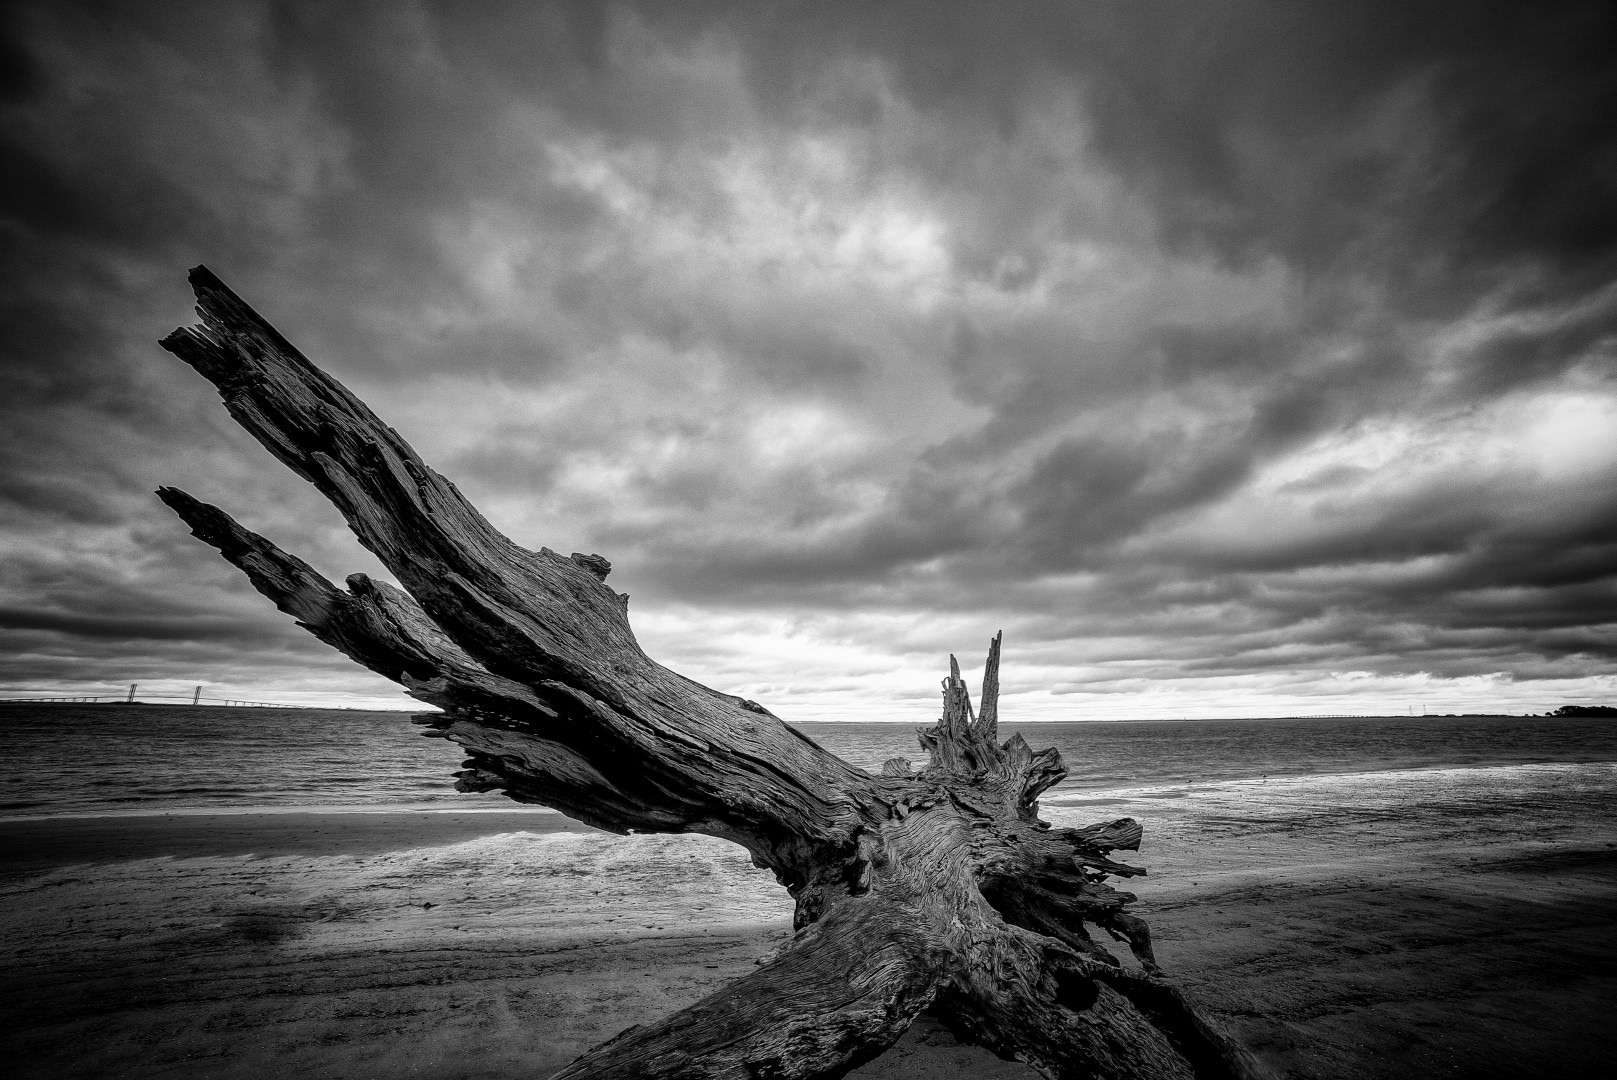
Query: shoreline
pixel 1065 794
pixel 40 845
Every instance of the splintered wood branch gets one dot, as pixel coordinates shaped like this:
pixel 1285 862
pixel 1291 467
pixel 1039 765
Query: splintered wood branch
pixel 986 729
pixel 508 728
pixel 536 618
pixel 933 887
pixel 373 623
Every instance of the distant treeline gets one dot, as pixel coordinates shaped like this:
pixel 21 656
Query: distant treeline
pixel 1585 710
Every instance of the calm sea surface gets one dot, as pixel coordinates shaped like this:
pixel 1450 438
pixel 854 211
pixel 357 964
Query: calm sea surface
pixel 78 759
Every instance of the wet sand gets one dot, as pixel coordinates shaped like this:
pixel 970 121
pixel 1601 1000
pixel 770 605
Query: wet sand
pixel 31 846
pixel 1444 924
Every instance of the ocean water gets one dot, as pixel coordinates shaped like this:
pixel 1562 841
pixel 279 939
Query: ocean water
pixel 94 759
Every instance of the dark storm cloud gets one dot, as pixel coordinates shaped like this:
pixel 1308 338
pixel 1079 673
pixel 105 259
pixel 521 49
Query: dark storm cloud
pixel 1251 348
pixel 1258 126
pixel 123 627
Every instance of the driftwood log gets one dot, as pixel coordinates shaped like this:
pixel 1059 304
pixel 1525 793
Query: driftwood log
pixel 922 888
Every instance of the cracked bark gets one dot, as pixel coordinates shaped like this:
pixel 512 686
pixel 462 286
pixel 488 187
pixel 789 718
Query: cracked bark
pixel 936 887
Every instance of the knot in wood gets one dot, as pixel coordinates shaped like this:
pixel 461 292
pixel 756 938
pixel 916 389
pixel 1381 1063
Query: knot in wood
pixel 598 565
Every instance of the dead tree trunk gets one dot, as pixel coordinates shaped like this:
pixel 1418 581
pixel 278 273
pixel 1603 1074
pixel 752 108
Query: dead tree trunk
pixel 938 887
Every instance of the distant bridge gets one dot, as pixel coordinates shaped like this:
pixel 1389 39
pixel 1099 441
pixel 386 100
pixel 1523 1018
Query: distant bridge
pixel 196 698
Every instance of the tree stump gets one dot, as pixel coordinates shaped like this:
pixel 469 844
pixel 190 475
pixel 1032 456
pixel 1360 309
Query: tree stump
pixel 937 887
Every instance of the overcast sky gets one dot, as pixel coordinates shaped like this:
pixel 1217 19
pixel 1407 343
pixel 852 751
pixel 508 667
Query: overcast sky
pixel 1233 358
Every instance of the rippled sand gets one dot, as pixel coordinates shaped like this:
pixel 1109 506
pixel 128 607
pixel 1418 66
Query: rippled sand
pixel 1442 922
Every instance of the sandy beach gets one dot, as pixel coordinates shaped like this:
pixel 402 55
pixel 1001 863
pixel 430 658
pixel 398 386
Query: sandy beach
pixel 1437 923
